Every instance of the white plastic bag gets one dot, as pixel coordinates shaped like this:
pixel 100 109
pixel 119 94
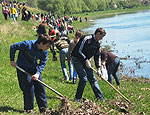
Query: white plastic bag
pixel 104 72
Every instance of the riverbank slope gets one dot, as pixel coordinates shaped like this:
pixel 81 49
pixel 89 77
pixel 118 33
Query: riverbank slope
pixel 11 100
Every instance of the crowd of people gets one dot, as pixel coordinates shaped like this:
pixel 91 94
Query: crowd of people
pixel 53 33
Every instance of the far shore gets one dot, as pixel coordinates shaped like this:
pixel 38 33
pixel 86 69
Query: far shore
pixel 91 16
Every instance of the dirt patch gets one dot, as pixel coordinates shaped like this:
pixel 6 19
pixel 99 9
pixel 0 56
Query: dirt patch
pixel 11 28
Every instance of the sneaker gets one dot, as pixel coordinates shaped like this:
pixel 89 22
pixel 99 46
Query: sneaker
pixel 77 100
pixel 74 81
pixel 101 99
pixel 43 109
pixel 29 111
pixel 46 111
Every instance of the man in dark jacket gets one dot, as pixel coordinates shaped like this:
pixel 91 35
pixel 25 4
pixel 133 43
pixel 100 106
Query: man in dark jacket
pixel 87 47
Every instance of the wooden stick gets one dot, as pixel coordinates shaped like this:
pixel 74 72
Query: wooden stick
pixel 40 82
pixel 112 86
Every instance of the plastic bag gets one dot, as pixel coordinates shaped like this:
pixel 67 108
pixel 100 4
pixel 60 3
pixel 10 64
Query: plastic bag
pixel 104 73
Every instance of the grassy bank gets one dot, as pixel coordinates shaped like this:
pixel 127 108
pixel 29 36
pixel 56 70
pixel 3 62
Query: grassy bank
pixel 11 99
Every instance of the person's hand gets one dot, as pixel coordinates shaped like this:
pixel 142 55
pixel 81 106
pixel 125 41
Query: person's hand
pixel 103 63
pixel 99 73
pixel 88 63
pixel 35 76
pixel 13 63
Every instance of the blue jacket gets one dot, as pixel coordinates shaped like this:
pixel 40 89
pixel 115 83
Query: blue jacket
pixel 29 57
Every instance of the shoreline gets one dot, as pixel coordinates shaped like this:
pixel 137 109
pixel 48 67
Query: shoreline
pixel 111 14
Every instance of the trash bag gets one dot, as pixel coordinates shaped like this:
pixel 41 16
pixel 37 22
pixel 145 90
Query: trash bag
pixel 104 72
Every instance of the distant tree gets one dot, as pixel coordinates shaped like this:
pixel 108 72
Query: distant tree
pixel 78 6
pixel 32 3
pixel 42 4
pixel 71 6
pixel 84 7
pixel 58 6
pixel 91 4
pixel 55 6
pixel 103 4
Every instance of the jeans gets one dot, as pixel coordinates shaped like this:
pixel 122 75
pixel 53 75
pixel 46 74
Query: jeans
pixel 63 55
pixel 112 70
pixel 74 72
pixel 85 74
pixel 31 88
pixel 14 17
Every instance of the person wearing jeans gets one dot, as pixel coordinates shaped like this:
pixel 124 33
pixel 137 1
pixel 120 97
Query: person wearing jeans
pixel 62 45
pixel 72 44
pixel 13 11
pixel 63 55
pixel 87 47
pixel 85 74
pixel 112 63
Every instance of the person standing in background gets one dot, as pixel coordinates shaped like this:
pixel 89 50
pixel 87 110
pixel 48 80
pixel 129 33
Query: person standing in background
pixel 72 44
pixel 13 12
pixel 5 12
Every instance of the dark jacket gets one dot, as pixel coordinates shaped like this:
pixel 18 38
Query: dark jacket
pixel 87 47
pixel 106 56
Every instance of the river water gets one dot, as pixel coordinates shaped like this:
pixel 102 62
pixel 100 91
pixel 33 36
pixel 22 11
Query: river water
pixel 129 37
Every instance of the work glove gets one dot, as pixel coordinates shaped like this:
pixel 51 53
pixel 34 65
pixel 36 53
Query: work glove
pixel 88 63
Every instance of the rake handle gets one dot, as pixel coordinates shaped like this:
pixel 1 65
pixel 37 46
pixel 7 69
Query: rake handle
pixel 40 82
pixel 112 87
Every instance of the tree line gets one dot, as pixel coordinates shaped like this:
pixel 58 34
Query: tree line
pixel 80 6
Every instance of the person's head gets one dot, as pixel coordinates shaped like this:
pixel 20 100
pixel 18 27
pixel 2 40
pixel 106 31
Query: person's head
pixel 78 35
pixel 100 33
pixel 44 42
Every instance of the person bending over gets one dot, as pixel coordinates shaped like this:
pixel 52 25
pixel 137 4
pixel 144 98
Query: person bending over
pixel 32 58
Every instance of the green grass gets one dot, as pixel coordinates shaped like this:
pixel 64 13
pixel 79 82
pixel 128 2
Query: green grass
pixel 11 98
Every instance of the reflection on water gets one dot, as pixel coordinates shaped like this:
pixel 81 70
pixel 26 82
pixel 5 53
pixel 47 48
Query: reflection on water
pixel 129 36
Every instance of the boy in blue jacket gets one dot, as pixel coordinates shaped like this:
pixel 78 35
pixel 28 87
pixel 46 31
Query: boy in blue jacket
pixel 32 58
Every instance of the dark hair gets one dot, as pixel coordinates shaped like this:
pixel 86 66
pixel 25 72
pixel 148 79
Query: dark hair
pixel 41 29
pixel 78 33
pixel 101 30
pixel 44 39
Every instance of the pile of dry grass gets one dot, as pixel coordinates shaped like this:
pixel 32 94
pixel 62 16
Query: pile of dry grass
pixel 89 108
